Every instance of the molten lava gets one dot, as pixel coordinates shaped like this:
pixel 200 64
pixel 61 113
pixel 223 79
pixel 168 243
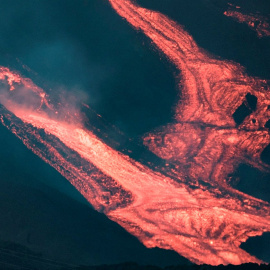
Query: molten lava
pixel 190 209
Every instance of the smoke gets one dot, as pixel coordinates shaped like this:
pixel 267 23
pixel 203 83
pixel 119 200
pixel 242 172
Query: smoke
pixel 21 95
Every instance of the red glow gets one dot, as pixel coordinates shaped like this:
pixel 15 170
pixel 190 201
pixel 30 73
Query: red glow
pixel 206 225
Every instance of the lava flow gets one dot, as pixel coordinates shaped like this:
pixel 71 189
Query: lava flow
pixel 222 113
pixel 192 209
pixel 256 22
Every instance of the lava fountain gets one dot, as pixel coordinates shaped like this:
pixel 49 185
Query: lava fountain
pixel 190 209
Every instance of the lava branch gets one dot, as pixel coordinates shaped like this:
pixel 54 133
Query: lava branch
pixel 222 110
pixel 222 116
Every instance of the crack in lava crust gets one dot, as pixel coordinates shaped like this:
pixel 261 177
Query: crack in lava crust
pixel 205 226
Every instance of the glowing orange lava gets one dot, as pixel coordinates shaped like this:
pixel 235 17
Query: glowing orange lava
pixel 190 209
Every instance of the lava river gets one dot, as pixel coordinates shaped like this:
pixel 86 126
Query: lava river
pixel 190 209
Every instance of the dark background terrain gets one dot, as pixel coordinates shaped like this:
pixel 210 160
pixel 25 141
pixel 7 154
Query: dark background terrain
pixel 84 48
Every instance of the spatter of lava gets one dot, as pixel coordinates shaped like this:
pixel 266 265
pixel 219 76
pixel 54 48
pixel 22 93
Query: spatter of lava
pixel 190 209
